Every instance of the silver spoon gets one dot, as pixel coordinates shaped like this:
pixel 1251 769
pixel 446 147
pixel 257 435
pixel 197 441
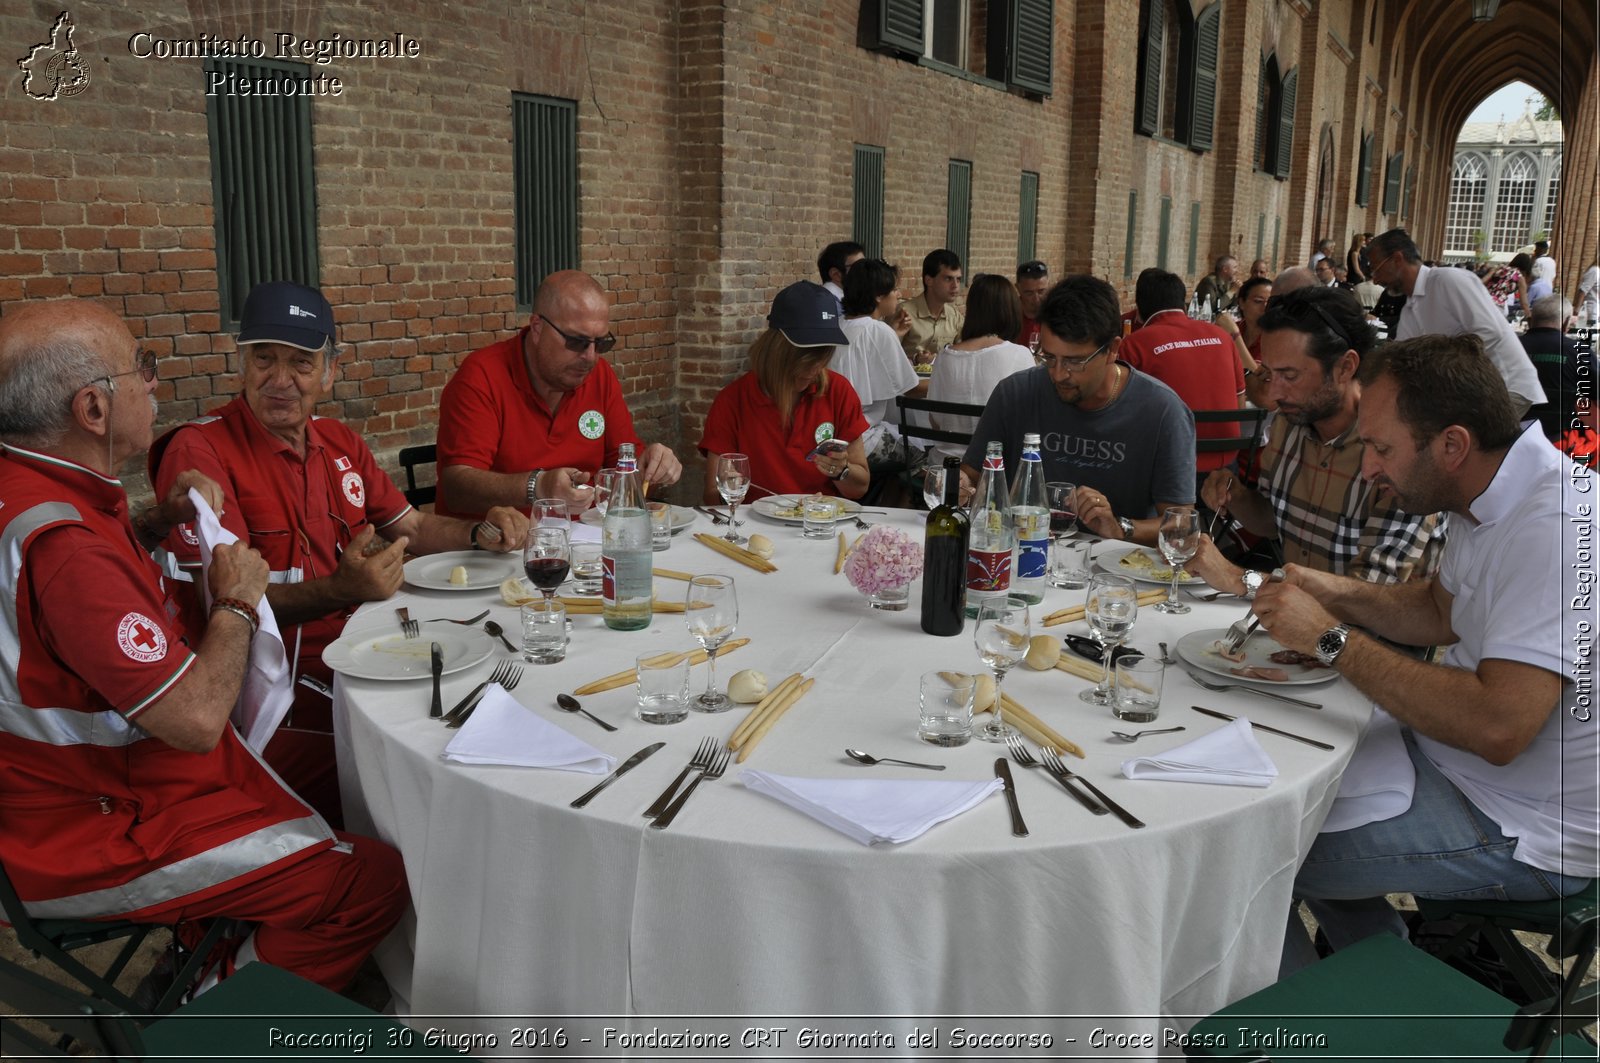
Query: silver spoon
pixel 868 758
pixel 1166 658
pixel 1126 737
pixel 498 632
pixel 568 703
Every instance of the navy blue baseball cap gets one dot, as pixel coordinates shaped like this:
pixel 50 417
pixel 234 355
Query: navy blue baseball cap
pixel 284 312
pixel 808 316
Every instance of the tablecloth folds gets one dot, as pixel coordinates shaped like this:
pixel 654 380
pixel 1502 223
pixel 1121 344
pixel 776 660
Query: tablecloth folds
pixel 1379 781
pixel 503 731
pixel 1228 756
pixel 873 810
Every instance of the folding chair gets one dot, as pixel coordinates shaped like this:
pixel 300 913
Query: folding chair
pixel 909 430
pixel 412 457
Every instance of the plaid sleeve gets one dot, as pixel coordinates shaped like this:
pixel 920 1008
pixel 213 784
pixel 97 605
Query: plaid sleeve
pixel 1396 546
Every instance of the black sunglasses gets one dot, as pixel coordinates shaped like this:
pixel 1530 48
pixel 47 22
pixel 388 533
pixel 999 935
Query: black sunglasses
pixel 1032 270
pixel 579 344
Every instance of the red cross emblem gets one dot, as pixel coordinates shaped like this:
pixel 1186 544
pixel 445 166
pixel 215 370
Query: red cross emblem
pixel 140 639
pixel 355 489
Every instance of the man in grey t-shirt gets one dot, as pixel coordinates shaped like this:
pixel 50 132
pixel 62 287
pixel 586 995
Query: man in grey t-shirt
pixel 1124 438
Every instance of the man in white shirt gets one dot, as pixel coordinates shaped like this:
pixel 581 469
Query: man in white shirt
pixel 1450 302
pixel 835 261
pixel 1501 733
pixel 1589 296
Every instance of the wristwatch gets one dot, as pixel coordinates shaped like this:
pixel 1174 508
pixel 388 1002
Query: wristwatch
pixel 533 486
pixel 842 473
pixel 1127 528
pixel 1331 643
pixel 1253 580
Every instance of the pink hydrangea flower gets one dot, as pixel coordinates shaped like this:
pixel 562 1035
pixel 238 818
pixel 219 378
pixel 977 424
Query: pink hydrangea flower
pixel 885 557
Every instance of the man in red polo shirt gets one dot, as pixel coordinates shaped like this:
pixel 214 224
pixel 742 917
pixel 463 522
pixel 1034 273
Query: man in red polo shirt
pixel 308 494
pixel 537 415
pixel 127 792
pixel 1194 358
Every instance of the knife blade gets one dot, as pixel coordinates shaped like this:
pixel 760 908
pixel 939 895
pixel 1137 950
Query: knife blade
pixel 1264 727
pixel 1002 771
pixel 436 651
pixel 716 518
pixel 626 766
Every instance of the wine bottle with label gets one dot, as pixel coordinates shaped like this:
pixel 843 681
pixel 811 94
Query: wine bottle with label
pixel 625 553
pixel 944 559
pixel 1030 517
pixel 991 539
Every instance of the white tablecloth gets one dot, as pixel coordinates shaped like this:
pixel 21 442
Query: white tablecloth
pixel 525 906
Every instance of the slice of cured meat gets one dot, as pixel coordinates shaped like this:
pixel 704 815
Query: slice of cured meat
pixel 1271 675
pixel 1222 650
pixel 1296 657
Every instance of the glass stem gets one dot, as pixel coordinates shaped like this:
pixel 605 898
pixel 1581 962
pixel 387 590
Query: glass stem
pixel 733 513
pixel 1172 588
pixel 997 715
pixel 711 673
pixel 1104 689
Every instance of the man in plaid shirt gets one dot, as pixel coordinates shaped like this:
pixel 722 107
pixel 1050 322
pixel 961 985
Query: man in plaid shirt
pixel 1311 495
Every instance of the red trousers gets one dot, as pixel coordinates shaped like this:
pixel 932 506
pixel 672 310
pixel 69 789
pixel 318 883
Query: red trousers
pixel 301 752
pixel 319 918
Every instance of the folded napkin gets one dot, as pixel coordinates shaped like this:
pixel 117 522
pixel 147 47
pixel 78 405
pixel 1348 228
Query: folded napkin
pixel 268 688
pixel 873 810
pixel 502 731
pixel 1228 756
pixel 1379 780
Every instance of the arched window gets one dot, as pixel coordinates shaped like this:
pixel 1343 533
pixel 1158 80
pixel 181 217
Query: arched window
pixel 1513 207
pixel 1469 182
pixel 1275 99
pixel 1176 92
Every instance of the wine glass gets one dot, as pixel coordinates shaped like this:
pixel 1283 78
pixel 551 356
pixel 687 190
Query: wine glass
pixel 551 512
pixel 1111 605
pixel 1179 539
pixel 733 480
pixel 546 557
pixel 1002 638
pixel 712 614
pixel 933 486
pixel 605 483
pixel 1063 510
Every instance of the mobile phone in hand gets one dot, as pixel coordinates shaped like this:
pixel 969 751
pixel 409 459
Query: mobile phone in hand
pixel 828 446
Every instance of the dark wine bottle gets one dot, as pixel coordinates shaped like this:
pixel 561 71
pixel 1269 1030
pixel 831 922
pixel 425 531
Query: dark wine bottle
pixel 944 559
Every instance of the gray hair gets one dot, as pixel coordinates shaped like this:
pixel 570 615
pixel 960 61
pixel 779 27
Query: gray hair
pixel 37 384
pixel 1550 311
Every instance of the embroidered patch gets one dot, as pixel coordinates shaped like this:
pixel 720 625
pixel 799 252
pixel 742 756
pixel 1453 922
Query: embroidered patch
pixel 342 464
pixel 186 532
pixel 355 489
pixel 823 433
pixel 592 423
pixel 141 639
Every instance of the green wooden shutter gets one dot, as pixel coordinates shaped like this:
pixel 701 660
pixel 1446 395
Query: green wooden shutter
pixel 1147 109
pixel 1405 197
pixel 1391 183
pixel 1277 234
pixel 1261 116
pixel 898 27
pixel 1028 217
pixel 1261 233
pixel 1164 232
pixel 958 210
pixel 1364 173
pixel 1133 220
pixel 263 184
pixel 545 189
pixel 1031 42
pixel 1203 99
pixel 866 187
pixel 1286 98
pixel 1194 237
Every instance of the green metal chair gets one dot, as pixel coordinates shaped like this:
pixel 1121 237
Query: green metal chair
pixel 1494 922
pixel 1383 998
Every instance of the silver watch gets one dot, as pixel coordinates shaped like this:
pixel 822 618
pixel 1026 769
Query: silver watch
pixel 1331 643
pixel 533 486
pixel 1127 528
pixel 1253 580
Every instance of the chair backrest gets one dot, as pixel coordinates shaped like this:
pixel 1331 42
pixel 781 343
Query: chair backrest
pixel 910 431
pixel 106 1031
pixel 1249 421
pixel 1537 1025
pixel 410 458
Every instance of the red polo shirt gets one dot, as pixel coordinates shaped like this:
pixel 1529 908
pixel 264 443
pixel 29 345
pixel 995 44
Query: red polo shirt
pixel 744 420
pixel 491 418
pixel 1197 360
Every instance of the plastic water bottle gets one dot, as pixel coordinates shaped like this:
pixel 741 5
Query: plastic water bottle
pixel 1030 517
pixel 991 539
pixel 625 551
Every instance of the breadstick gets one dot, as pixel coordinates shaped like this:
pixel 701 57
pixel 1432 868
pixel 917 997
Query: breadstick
pixel 754 716
pixel 744 557
pixel 622 679
pixel 667 573
pixel 838 561
pixel 772 717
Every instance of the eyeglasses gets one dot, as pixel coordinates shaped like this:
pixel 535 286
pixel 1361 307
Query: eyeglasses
pixel 1032 270
pixel 578 344
pixel 145 367
pixel 1071 365
pixel 1327 319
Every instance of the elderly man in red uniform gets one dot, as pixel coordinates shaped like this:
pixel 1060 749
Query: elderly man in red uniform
pixel 307 493
pixel 126 791
pixel 537 415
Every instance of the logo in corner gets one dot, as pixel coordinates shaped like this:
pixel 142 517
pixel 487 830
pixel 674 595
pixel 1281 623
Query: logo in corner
pixel 55 68
pixel 140 639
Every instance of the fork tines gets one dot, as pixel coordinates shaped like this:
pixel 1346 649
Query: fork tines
pixel 408 627
pixel 508 675
pixel 699 762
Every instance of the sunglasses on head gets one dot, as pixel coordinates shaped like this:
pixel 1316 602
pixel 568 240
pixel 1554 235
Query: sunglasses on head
pixel 1032 270
pixel 578 344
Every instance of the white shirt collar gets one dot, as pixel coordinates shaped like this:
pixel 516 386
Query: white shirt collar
pixel 1523 470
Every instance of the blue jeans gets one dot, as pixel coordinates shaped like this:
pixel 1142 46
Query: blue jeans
pixel 1442 846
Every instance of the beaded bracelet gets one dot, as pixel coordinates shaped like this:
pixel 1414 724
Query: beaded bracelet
pixel 241 608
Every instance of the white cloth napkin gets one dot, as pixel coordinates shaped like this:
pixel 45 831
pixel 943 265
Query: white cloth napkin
pixel 268 688
pixel 502 731
pixel 1228 756
pixel 873 810
pixel 1379 781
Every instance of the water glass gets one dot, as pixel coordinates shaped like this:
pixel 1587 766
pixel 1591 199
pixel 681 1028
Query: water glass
pixel 711 611
pixel 1111 605
pixel 587 571
pixel 1069 563
pixel 544 632
pixel 550 511
pixel 1002 638
pixel 733 483
pixel 663 688
pixel 1138 692
pixel 817 516
pixel 660 525
pixel 1179 540
pixel 933 486
pixel 605 482
pixel 945 709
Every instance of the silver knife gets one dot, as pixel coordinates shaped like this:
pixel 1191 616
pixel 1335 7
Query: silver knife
pixel 716 518
pixel 1264 727
pixel 436 651
pixel 627 766
pixel 1002 771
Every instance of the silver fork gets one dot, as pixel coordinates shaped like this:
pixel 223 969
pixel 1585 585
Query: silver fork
pixel 719 764
pixel 1240 629
pixel 699 762
pixel 508 675
pixel 1274 695
pixel 1052 763
pixel 448 620
pixel 408 627
pixel 1020 754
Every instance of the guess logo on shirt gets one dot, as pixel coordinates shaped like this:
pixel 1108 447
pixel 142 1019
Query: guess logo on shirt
pixel 140 639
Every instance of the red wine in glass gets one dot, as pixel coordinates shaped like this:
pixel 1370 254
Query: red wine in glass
pixel 1061 522
pixel 546 573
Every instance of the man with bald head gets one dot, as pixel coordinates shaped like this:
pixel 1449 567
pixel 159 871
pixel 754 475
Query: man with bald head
pixel 537 415
pixel 128 793
pixel 1293 279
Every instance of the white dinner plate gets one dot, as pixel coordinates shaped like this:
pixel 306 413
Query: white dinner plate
pixel 1197 648
pixel 776 507
pixel 376 653
pixel 484 570
pixel 682 517
pixel 1112 561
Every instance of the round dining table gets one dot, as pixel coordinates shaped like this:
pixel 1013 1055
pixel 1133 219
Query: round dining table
pixel 524 906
